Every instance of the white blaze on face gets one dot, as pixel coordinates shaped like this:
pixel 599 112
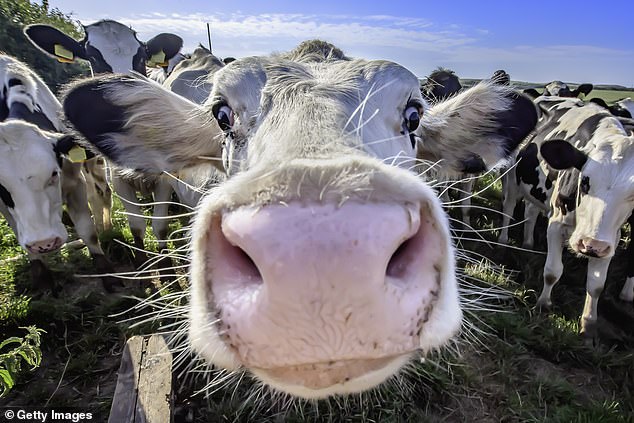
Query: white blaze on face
pixel 116 42
pixel 29 172
pixel 606 192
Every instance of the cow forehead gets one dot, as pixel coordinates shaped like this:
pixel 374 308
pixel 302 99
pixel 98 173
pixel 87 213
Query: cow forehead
pixel 24 148
pixel 114 41
pixel 278 80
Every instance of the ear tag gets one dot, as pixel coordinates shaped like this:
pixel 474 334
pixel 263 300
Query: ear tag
pixel 158 59
pixel 77 154
pixel 63 55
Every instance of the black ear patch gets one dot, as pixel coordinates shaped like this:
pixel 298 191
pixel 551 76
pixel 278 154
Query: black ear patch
pixel 561 155
pixel 87 107
pixel 517 121
pixel 170 44
pixel 46 37
pixel 583 89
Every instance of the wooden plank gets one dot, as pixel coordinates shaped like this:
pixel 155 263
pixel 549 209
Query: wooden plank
pixel 155 383
pixel 144 385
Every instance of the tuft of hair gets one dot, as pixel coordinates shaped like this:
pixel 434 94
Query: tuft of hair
pixel 467 126
pixel 315 51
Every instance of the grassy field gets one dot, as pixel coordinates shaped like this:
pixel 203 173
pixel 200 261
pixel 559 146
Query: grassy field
pixel 512 363
pixel 610 96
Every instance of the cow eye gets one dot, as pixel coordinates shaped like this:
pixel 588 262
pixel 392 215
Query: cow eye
pixel 224 115
pixel 54 178
pixel 412 116
pixel 585 184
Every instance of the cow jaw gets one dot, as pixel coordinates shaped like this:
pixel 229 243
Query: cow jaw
pixel 320 299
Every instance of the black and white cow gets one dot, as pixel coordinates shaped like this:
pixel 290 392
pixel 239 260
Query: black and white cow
pixel 586 158
pixel 560 89
pixel 593 197
pixel 110 46
pixel 322 265
pixel 35 180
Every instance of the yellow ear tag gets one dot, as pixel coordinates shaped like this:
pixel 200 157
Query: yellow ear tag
pixel 158 59
pixel 77 154
pixel 63 55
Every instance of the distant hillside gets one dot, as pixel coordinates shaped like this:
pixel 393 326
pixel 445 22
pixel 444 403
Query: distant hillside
pixel 468 82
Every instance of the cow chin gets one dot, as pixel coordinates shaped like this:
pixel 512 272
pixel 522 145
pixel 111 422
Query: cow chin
pixel 322 299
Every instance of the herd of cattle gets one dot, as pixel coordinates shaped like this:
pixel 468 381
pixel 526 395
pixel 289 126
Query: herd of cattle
pixel 320 261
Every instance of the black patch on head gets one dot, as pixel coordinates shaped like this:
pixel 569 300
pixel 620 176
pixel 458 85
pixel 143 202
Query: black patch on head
pixel 138 61
pixel 97 62
pixel 15 81
pixel 516 122
pixel 6 198
pixel 527 171
pixel 566 199
pixel 104 118
pixel 4 110
pixel 585 184
pixel 20 111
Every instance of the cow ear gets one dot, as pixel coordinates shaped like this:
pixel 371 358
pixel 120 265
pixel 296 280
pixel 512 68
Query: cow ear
pixel 163 47
pixel 531 92
pixel 561 155
pixel 141 126
pixel 601 102
pixel 583 89
pixel 55 43
pixel 68 146
pixel 477 128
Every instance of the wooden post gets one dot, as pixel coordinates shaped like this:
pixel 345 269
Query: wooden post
pixel 144 385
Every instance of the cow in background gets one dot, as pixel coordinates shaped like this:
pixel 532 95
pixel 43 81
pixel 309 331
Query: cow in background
pixel 111 47
pixel 560 89
pixel 36 178
pixel 592 157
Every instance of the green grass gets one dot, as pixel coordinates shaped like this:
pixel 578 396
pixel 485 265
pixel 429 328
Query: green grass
pixel 610 96
pixel 512 365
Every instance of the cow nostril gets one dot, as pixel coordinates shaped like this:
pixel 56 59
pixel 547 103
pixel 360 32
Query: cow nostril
pixel 244 264
pixel 401 259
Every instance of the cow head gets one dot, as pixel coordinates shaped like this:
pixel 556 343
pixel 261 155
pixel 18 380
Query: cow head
pixel 561 89
pixel 605 189
pixel 322 264
pixel 108 45
pixel 440 85
pixel 30 191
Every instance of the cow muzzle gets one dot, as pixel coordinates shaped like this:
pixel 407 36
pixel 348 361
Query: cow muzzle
pixel 45 246
pixel 594 248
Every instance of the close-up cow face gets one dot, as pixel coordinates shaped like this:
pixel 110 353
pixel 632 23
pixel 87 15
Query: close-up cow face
pixel 605 191
pixel 30 185
pixel 322 265
pixel 108 45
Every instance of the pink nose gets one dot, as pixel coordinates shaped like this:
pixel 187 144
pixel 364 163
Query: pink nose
pixel 45 246
pixel 304 284
pixel 594 247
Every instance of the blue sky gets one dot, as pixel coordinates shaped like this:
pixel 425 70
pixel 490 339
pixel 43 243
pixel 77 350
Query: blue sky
pixel 536 41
